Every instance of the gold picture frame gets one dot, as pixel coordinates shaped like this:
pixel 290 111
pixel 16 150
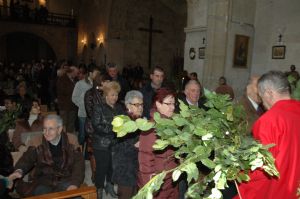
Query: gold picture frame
pixel 241 45
pixel 278 52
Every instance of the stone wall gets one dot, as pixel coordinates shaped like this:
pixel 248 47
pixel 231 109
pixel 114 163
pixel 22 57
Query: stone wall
pixel 119 22
pixel 61 39
pixel 274 18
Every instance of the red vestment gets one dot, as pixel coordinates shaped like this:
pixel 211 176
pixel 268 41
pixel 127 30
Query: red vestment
pixel 281 126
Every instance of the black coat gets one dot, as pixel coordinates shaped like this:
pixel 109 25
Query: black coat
pixel 92 97
pixel 201 103
pixel 103 137
pixel 148 93
pixel 125 160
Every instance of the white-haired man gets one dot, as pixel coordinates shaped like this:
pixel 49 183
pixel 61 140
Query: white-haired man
pixel 280 126
pixel 57 161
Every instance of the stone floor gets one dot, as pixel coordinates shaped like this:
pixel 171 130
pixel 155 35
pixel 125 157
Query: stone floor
pixel 88 181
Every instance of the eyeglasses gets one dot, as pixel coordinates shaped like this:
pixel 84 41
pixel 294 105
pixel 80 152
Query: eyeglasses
pixel 137 104
pixel 51 129
pixel 169 103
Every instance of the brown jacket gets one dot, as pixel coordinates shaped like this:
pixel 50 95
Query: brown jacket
pixel 251 114
pixel 153 162
pixel 64 88
pixel 38 156
pixel 225 89
pixel 22 126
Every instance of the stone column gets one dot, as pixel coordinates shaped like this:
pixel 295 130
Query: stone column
pixel 195 35
pixel 217 34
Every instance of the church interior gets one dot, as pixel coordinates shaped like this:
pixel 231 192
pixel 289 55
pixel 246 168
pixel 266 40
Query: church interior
pixel 213 39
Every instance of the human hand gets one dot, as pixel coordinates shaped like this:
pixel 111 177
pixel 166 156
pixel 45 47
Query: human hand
pixel 12 177
pixel 72 187
pixel 137 145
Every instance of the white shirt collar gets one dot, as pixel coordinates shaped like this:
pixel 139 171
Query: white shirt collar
pixel 254 104
pixel 190 103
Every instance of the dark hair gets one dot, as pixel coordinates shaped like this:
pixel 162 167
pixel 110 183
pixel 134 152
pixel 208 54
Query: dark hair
pixel 161 94
pixel 11 98
pixel 111 65
pixel 83 69
pixel 99 78
pixel 194 74
pixel 223 78
pixel 157 68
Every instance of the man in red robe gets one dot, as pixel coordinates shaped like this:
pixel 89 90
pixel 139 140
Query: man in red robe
pixel 279 125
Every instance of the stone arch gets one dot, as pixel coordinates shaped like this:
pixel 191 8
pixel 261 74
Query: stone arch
pixel 63 40
pixel 36 46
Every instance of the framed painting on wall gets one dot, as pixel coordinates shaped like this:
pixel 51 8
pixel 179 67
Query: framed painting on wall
pixel 278 52
pixel 241 45
pixel 201 52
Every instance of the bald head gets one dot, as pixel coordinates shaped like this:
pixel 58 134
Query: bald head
pixel 252 90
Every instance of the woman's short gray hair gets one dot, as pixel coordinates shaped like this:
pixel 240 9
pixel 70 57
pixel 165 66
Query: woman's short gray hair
pixel 130 95
pixel 274 80
pixel 57 118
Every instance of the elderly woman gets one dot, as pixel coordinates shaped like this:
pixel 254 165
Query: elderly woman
pixel 103 137
pixel 125 158
pixel 153 162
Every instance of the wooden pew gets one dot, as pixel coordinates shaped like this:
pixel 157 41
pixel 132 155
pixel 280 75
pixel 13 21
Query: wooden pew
pixel 89 192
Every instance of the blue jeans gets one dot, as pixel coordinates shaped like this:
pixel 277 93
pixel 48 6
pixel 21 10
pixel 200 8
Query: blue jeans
pixel 81 133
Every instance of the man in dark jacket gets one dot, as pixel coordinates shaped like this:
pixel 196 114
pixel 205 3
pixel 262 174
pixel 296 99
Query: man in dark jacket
pixel 148 91
pixel 192 94
pixel 56 159
pixel 112 71
pixel 64 88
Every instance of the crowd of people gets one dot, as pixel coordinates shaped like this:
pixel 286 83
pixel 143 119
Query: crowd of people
pixel 86 99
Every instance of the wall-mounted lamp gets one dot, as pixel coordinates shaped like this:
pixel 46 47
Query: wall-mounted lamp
pixel 42 2
pixel 100 40
pixel 83 41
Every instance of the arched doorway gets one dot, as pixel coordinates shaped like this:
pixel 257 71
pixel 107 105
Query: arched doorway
pixel 24 47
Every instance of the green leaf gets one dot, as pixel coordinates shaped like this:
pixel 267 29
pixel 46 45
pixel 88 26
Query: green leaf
pixel 179 121
pixel 117 121
pixel 130 126
pixel 144 124
pixel 160 144
pixel 176 174
pixel 200 150
pixel 191 170
pixel 183 106
pixel 244 177
pixel 207 162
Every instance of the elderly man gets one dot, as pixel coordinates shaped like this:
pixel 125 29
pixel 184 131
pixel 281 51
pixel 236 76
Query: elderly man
pixel 56 159
pixel 279 125
pixel 252 102
pixel 157 77
pixel 192 94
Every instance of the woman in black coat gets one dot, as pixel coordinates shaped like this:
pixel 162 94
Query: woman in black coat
pixel 125 158
pixel 103 138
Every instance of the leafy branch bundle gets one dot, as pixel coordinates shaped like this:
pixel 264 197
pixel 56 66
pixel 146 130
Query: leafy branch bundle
pixel 8 119
pixel 216 138
pixel 295 87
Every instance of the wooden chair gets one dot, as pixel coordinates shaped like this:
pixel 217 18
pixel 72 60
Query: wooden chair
pixel 85 192
pixel 44 108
